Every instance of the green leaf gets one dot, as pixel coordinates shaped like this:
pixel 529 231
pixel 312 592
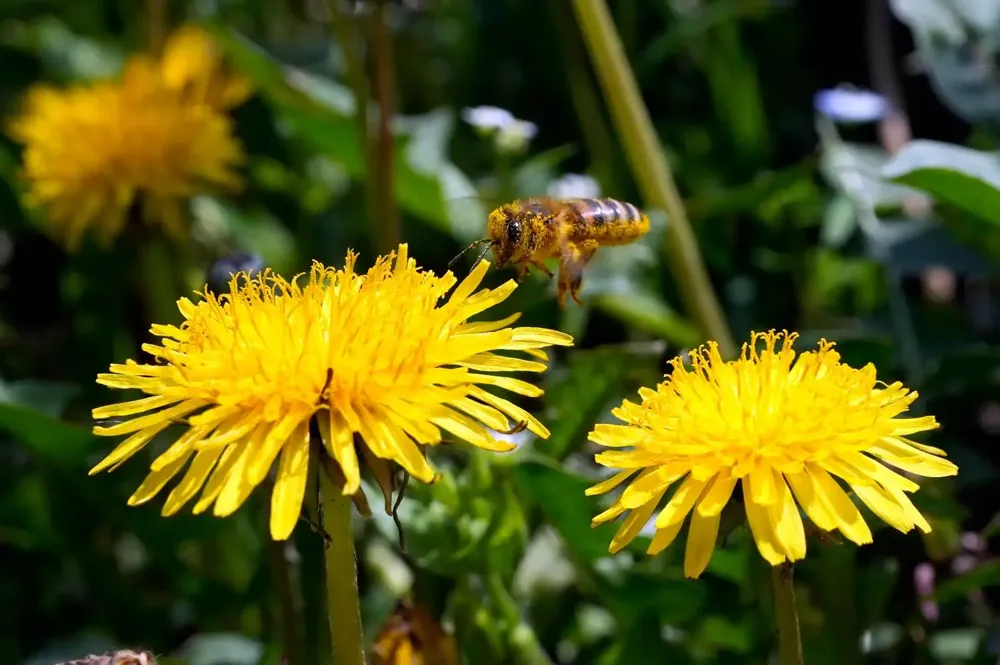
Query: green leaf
pixel 70 648
pixel 575 396
pixel 535 174
pixel 647 311
pixel 963 177
pixel 840 219
pixel 45 397
pixel 67 55
pixel 881 637
pixel 560 496
pixel 855 170
pixel 675 599
pixel 726 633
pixel 25 515
pixel 986 575
pixel 956 44
pixel 223 649
pixel 933 17
pixel 955 644
pixel 57 442
pixel 255 231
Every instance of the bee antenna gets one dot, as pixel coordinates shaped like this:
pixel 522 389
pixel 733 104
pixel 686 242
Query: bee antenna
pixel 475 244
pixel 486 249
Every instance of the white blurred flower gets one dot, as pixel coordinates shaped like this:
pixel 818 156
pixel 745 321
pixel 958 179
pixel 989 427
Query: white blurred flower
pixel 848 104
pixel 510 134
pixel 574 186
pixel 488 118
pixel 515 136
pixel 518 439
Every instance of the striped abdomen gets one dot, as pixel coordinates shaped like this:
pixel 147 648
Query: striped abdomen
pixel 608 221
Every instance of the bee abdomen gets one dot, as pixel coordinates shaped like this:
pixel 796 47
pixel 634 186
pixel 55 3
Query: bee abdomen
pixel 610 218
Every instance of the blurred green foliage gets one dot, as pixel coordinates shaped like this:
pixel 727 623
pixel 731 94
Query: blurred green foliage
pixel 500 550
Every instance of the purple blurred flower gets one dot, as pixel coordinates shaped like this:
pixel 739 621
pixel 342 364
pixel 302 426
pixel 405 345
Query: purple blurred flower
pixel 923 579
pixel 964 563
pixel 847 104
pixel 930 610
pixel 973 542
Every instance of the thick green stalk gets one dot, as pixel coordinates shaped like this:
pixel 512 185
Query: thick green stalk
pixel 343 603
pixel 789 642
pixel 650 168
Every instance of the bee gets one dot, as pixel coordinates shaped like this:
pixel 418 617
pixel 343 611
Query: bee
pixel 525 233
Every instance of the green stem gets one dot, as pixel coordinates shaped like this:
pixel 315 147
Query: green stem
pixel 285 580
pixel 522 639
pixel 789 642
pixel 586 101
pixel 649 165
pixel 345 35
pixel 158 267
pixel 389 234
pixel 156 20
pixel 343 603
pixel 505 176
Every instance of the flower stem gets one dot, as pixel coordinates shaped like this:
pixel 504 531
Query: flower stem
pixel 156 20
pixel 343 603
pixel 652 173
pixel 346 34
pixel 285 580
pixel 523 641
pixel 789 642
pixel 387 218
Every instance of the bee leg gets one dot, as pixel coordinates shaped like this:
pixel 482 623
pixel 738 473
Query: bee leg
pixel 575 258
pixel 522 271
pixel 541 266
pixel 561 292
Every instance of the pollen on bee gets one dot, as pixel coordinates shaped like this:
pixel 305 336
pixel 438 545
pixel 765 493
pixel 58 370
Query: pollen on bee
pixel 527 232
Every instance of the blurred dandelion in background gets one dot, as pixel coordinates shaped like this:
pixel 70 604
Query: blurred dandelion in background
pixel 192 64
pixel 140 145
pixel 375 355
pixel 785 428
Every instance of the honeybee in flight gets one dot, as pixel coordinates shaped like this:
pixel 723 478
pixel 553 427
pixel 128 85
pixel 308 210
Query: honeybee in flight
pixel 525 233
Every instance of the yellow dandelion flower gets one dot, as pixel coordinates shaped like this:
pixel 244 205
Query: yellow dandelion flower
pixel 785 429
pixel 193 65
pixel 93 153
pixel 375 357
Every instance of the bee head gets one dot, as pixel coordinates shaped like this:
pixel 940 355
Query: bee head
pixel 507 233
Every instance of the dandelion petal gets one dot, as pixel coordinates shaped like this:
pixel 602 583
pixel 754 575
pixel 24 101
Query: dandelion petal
pixel 701 543
pixel 290 485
